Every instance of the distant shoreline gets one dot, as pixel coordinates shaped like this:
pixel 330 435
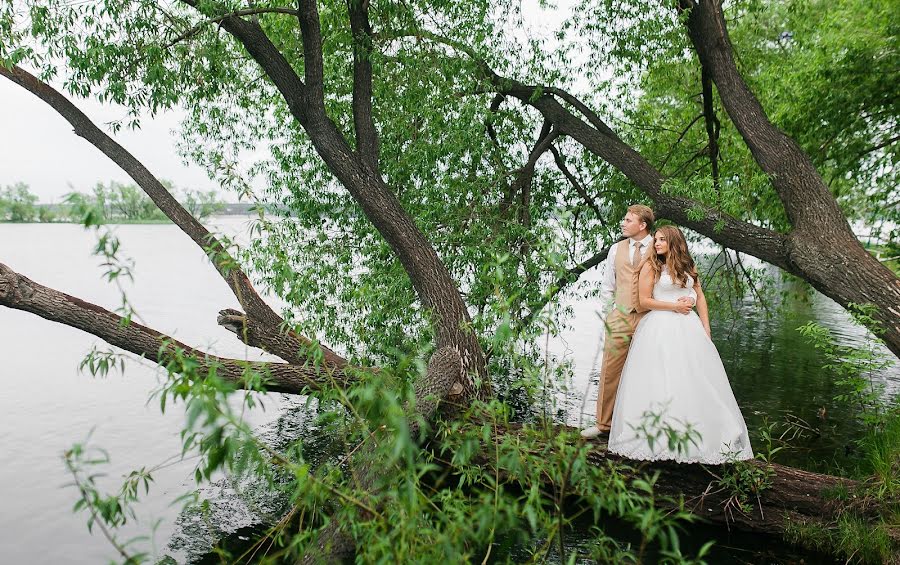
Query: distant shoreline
pixel 228 209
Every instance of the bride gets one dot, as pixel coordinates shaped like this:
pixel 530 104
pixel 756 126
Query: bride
pixel 674 401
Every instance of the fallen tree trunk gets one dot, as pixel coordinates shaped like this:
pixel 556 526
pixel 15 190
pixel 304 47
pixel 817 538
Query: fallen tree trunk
pixel 791 498
pixel 794 496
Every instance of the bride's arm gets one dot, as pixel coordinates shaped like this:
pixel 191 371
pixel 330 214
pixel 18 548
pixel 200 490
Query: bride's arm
pixel 702 308
pixel 645 294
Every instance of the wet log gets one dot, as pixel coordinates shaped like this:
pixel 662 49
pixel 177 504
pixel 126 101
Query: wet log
pixel 791 498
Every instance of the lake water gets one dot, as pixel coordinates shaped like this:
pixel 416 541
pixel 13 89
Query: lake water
pixel 46 405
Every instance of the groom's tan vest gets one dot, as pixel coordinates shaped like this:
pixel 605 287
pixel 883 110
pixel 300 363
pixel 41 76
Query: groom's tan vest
pixel 626 280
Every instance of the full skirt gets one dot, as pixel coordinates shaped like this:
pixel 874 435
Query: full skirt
pixel 674 401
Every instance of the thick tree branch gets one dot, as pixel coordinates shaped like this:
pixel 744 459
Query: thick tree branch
pixel 435 288
pixel 313 65
pixel 266 337
pixel 21 293
pixel 363 120
pixel 807 200
pixel 591 116
pixel 224 263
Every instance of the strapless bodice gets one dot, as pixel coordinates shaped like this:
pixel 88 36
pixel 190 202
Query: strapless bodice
pixel 667 291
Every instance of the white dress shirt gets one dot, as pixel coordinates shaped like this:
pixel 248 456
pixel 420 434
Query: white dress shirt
pixel 608 282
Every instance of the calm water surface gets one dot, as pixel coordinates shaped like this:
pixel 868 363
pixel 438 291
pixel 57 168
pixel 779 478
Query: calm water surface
pixel 46 405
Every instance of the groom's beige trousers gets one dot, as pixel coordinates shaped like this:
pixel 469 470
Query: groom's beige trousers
pixel 620 329
pixel 620 325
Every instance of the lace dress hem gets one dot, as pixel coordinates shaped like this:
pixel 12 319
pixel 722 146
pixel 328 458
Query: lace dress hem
pixel 640 454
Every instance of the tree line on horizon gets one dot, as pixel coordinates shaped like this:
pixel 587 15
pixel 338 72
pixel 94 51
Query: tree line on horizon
pixel 110 202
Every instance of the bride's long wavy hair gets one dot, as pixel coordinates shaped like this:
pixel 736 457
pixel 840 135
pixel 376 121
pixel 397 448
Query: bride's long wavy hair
pixel 678 260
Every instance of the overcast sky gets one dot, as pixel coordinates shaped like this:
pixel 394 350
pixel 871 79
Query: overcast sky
pixel 38 147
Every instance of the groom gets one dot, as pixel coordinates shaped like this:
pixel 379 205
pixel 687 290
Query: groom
pixel 620 281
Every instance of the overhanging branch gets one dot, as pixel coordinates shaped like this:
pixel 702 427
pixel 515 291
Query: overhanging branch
pixel 598 138
pixel 21 293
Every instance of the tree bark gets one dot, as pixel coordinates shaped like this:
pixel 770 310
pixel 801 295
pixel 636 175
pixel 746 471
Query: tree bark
pixel 21 293
pixel 434 286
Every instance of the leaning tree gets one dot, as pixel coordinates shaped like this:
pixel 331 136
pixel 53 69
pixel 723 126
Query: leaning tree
pixel 415 209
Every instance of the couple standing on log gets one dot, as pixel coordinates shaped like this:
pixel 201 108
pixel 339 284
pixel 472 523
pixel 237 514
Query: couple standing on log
pixel 663 391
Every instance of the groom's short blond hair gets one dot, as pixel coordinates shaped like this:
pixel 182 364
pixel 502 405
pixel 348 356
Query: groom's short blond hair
pixel 645 213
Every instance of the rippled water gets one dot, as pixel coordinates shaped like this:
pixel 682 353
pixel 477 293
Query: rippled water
pixel 46 405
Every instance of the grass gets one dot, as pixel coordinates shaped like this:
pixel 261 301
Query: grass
pixel 882 448
pixel 853 539
pixel 856 537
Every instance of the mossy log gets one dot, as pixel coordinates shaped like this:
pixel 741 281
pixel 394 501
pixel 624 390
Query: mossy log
pixel 791 501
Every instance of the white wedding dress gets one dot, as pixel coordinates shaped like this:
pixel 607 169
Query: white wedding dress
pixel 673 384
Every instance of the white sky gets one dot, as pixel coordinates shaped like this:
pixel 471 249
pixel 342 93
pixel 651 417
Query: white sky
pixel 38 147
